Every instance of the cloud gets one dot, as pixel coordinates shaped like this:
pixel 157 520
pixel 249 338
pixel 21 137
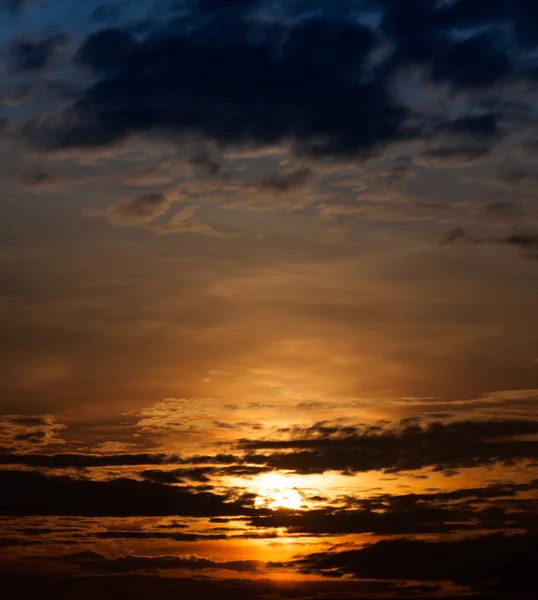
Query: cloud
pixel 203 474
pixel 489 508
pixel 455 445
pixel 158 535
pixel 493 563
pixel 284 182
pixel 32 493
pixel 206 165
pixel 105 50
pixel 15 6
pixel 37 178
pixel 92 561
pixel 474 63
pixel 142 209
pixel 324 84
pixel 527 243
pixel 423 34
pixel 452 156
pixel 182 223
pixel 505 210
pixel 217 83
pixel 520 13
pixel 484 126
pixel 82 461
pixel 140 587
pixel 530 147
pixel 456 235
pixel 23 433
pixel 27 54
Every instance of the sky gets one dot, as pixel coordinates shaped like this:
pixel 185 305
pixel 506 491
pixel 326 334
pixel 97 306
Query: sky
pixel 268 290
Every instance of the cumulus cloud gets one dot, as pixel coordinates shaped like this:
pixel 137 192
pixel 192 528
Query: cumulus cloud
pixel 304 94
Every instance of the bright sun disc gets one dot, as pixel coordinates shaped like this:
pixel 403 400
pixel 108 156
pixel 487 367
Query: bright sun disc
pixel 276 492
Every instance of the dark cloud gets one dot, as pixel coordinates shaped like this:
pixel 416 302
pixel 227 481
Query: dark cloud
pixel 219 6
pixel 325 447
pixel 455 155
pixel 531 147
pixel 527 243
pixel 34 55
pixel 203 474
pixel 413 27
pixel 81 461
pixel 474 63
pixel 496 563
pixel 473 13
pixel 141 587
pixel 92 561
pixel 515 175
pixel 16 542
pixel 214 73
pixel 411 447
pixel 493 507
pixel 206 164
pixel 157 535
pixel 15 6
pixel 284 182
pixel 503 209
pixel 220 83
pixel 37 178
pixel 423 32
pixel 219 459
pixel 32 493
pixel 521 240
pixel 105 50
pixel 481 126
pixel 456 235
pixel 200 474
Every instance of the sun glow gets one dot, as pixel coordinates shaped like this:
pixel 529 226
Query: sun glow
pixel 276 491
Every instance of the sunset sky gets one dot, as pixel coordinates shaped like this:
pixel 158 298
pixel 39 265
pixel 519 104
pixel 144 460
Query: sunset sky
pixel 269 298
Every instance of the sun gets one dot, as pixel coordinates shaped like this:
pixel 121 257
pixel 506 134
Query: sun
pixel 275 491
